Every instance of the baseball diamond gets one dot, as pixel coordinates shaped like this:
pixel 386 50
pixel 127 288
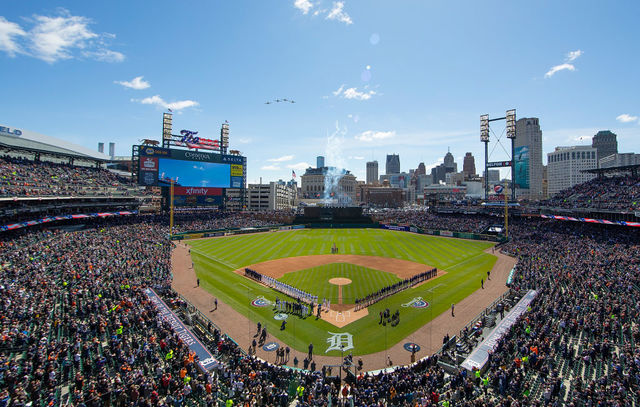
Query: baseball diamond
pixel 371 258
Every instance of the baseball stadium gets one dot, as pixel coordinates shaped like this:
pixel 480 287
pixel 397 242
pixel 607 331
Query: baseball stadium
pixel 319 203
pixel 115 290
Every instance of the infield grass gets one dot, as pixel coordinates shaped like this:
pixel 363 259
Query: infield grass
pixel 215 260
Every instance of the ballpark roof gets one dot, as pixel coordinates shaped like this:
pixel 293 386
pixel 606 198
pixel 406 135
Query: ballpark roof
pixel 11 137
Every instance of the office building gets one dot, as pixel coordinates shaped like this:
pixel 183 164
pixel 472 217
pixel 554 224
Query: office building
pixel 372 172
pixel 393 164
pixel 606 143
pixel 319 161
pixel 101 148
pixel 439 173
pixel 112 150
pixel 469 166
pixel 528 158
pixel 494 176
pixel 271 196
pixel 565 166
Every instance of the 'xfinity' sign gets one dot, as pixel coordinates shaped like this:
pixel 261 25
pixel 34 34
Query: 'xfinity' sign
pixel 8 130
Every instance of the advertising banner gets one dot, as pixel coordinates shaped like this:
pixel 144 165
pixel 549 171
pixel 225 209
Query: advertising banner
pixel 206 359
pixel 395 227
pixel 478 358
pixel 522 166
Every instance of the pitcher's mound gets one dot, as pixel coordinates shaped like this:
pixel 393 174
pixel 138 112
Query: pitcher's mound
pixel 339 281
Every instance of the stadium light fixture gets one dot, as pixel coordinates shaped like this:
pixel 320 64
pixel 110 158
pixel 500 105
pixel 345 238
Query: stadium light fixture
pixel 511 123
pixel 484 128
pixel 167 119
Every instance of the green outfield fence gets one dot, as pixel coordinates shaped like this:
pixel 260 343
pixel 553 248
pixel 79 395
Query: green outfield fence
pixel 198 234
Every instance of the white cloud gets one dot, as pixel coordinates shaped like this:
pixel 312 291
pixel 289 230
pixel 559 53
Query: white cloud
pixel 8 31
pixel 270 168
pixel 244 140
pixel 158 101
pixel 338 91
pixel 136 83
pixel 558 68
pixel 105 55
pixel 55 38
pixel 303 5
pixel 281 159
pixel 356 157
pixel 371 135
pixel 353 93
pixel 299 166
pixel 337 13
pixel 571 56
pixel 626 118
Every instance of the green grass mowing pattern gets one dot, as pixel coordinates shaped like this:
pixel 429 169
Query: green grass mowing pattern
pixel 315 281
pixel 465 263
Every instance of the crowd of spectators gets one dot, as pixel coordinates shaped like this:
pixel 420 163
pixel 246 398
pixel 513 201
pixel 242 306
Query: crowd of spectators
pixel 76 327
pixel 23 177
pixel 426 220
pixel 215 219
pixel 611 193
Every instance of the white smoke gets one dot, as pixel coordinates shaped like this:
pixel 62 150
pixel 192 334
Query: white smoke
pixel 336 168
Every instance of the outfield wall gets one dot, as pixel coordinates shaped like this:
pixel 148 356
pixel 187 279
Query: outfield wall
pixel 198 234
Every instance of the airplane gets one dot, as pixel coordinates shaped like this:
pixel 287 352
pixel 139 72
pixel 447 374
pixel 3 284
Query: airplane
pixel 277 100
pixel 285 100
pixel 292 101
pixel 267 103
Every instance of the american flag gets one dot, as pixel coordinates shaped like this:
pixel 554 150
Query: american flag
pixel 293 173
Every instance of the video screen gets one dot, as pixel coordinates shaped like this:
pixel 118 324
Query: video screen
pixel 193 174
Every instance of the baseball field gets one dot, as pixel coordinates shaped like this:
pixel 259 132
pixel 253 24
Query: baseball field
pixel 367 260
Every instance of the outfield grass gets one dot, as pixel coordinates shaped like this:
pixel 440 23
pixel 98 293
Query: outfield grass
pixel 363 281
pixel 463 260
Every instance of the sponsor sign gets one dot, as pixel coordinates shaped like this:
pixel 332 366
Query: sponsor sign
pixel 446 233
pixel 395 227
pixel 236 170
pixel 206 359
pixel 478 358
pixel 197 191
pixel 498 189
pixel 10 131
pixel 149 164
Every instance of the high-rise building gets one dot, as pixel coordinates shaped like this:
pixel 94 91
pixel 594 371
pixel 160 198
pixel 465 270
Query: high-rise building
pixel 565 166
pixel 372 172
pixel 393 164
pixel 319 161
pixel 494 176
pixel 469 166
pixel 112 150
pixel 439 173
pixel 606 143
pixel 421 170
pixel 101 148
pixel 528 158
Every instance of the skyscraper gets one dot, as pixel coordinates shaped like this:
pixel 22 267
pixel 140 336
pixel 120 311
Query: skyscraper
pixel 439 173
pixel 606 143
pixel 393 164
pixel 528 158
pixel 469 165
pixel 319 161
pixel 372 172
pixel 565 166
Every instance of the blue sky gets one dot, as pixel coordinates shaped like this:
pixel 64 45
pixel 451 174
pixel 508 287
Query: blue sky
pixel 368 77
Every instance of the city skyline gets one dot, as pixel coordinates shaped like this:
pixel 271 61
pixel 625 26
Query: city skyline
pixel 376 79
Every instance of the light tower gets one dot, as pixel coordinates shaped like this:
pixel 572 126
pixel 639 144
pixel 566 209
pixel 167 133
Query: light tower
pixel 510 118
